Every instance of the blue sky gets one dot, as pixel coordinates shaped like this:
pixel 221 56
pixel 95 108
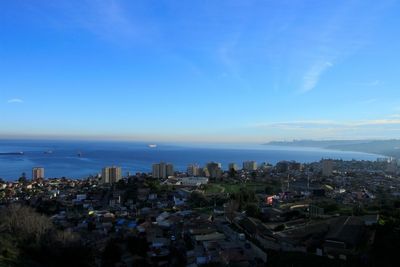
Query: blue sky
pixel 232 71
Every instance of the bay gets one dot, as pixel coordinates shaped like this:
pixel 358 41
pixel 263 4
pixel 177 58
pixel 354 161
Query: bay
pixel 79 159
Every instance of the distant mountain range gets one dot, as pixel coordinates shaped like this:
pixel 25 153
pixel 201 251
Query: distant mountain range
pixel 382 147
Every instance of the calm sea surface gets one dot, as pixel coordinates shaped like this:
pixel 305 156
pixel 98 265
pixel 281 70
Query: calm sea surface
pixel 138 157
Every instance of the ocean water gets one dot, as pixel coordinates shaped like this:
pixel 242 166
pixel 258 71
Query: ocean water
pixel 138 157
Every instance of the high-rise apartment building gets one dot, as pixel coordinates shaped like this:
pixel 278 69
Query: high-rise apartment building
pixel 156 170
pixel 162 170
pixel 265 166
pixel 111 175
pixel 169 168
pixel 233 166
pixel 327 167
pixel 214 169
pixel 250 165
pixel 37 173
pixel 204 172
pixel 193 170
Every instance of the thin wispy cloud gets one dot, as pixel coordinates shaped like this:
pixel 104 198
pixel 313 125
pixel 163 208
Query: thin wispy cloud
pixel 378 122
pixel 262 62
pixel 372 83
pixel 112 20
pixel 231 64
pixel 312 76
pixel 369 101
pixel 338 37
pixel 331 128
pixel 15 101
pixel 225 56
pixel 294 123
pixel 108 19
pixel 324 123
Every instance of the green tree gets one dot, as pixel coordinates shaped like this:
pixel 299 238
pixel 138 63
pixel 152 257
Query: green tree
pixel 28 238
pixel 252 210
pixel 154 185
pixel 24 223
pixel 244 196
pixel 9 252
pixel 269 190
pixel 232 173
pixel 197 200
pixel 358 210
pixel 111 254
pixel 23 179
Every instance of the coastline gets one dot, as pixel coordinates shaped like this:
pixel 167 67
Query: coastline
pixel 137 157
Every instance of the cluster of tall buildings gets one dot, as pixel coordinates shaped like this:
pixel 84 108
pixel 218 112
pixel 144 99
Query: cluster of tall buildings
pixel 284 166
pixel 111 175
pixel 194 170
pixel 212 170
pixel 250 165
pixel 162 170
pixel 108 174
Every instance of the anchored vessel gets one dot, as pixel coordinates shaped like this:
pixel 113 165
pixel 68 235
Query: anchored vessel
pixel 11 153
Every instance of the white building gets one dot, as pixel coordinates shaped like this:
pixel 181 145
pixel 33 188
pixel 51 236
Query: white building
pixel 193 181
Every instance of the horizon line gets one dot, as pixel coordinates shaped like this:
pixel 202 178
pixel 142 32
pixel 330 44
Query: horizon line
pixel 114 138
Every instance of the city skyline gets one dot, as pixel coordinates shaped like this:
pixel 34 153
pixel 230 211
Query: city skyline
pixel 199 71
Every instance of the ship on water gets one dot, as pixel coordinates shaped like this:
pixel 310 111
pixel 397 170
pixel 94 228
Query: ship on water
pixel 152 145
pixel 11 153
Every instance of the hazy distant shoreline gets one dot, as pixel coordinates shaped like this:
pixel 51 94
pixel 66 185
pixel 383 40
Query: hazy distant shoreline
pixel 138 157
pixel 390 148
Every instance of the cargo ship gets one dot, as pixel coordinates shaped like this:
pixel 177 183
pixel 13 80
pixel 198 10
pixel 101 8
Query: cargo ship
pixel 11 153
